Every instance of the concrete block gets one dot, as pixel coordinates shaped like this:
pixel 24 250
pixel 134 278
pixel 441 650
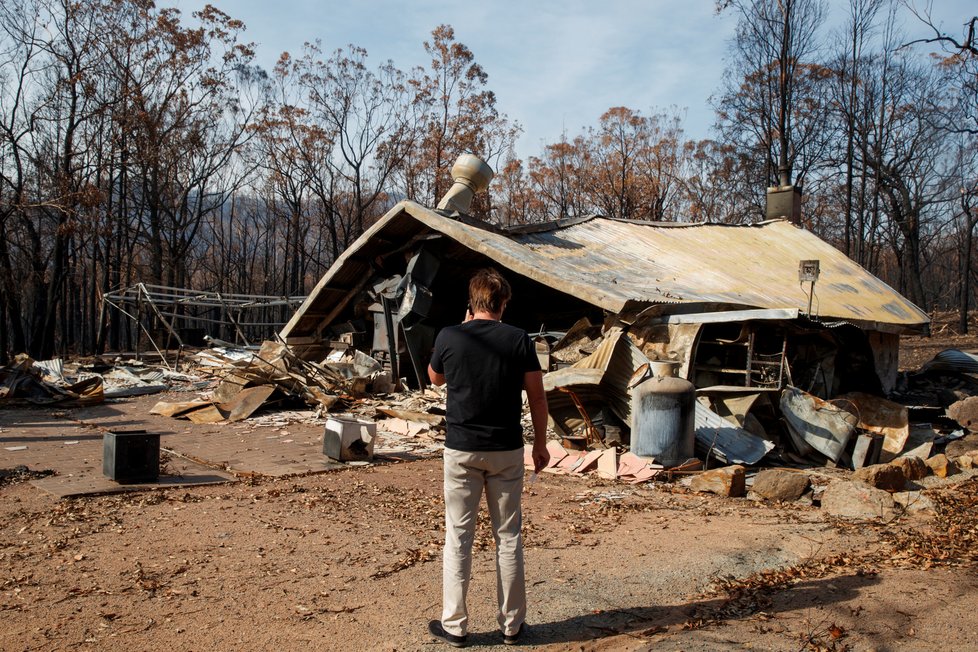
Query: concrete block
pixel 131 456
pixel 348 439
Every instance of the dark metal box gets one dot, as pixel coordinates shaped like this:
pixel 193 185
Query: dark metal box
pixel 132 456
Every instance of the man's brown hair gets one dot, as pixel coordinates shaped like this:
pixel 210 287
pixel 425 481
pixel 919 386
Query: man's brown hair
pixel 488 291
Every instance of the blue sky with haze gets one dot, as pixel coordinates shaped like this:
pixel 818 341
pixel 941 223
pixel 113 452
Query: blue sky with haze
pixel 554 66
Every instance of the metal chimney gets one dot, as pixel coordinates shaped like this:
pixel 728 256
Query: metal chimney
pixel 784 202
pixel 471 175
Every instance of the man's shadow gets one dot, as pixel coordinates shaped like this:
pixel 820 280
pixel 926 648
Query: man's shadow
pixel 639 620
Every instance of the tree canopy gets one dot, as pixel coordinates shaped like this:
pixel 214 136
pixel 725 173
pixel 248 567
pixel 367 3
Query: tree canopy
pixel 140 144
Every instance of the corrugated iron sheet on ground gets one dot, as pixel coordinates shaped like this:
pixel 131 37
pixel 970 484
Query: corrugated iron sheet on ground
pixel 953 360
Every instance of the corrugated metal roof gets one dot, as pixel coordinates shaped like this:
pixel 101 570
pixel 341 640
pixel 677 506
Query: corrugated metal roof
pixel 610 263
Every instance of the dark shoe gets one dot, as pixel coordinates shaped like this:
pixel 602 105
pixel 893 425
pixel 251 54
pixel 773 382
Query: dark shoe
pixel 436 630
pixel 513 639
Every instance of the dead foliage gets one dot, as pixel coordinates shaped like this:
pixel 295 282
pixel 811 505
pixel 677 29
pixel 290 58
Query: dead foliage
pixel 20 474
pixel 742 597
pixel 952 540
pixel 824 637
pixel 407 560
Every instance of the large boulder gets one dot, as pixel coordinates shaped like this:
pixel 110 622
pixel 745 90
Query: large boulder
pixel 965 412
pixel 961 446
pixel 726 481
pixel 855 499
pixel 785 485
pixel 888 477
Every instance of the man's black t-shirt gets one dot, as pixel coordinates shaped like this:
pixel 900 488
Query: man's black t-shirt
pixel 484 362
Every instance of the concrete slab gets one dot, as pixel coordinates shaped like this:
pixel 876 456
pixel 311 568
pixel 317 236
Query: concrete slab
pixel 188 475
pixel 69 442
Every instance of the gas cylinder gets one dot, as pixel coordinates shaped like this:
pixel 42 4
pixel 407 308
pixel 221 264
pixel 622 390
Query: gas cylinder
pixel 663 413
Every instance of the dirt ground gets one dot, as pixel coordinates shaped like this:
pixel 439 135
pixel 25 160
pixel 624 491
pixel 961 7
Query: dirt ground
pixel 945 334
pixel 350 560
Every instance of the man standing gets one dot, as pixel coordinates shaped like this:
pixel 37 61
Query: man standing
pixel 486 364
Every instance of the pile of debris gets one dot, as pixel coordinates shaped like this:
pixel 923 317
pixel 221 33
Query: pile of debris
pixel 346 384
pixel 590 405
pixel 591 411
pixel 272 375
pixel 607 463
pixel 53 382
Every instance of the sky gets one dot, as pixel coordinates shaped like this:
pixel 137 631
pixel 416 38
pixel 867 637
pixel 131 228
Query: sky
pixel 555 67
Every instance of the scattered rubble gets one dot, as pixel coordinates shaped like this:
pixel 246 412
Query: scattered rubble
pixel 21 474
pixel 27 382
pixel 737 429
pixel 50 382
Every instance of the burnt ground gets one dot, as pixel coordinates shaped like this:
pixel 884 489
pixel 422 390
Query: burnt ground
pixel 350 560
pixel 945 334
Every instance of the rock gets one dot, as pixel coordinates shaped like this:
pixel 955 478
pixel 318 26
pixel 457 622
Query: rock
pixel 855 499
pixel 941 465
pixel 965 412
pixel 780 484
pixel 888 477
pixel 914 502
pixel 726 481
pixel 965 462
pixel 913 467
pixel 961 446
pixel 922 451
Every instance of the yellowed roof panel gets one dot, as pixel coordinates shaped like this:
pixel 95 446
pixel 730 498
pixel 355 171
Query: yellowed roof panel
pixel 610 263
pixel 755 266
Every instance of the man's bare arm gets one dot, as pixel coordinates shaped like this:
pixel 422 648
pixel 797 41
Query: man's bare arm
pixel 537 399
pixel 435 377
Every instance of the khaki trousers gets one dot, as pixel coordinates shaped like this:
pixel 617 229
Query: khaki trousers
pixel 500 475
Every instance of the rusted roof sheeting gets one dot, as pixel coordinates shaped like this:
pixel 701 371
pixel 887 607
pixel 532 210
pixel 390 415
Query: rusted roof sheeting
pixel 611 262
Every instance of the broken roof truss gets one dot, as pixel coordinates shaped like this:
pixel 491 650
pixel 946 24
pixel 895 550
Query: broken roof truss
pixel 251 317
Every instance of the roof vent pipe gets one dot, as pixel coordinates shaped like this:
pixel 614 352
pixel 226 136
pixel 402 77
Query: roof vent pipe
pixel 471 175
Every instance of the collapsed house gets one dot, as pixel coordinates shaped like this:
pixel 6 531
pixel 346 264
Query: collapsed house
pixel 746 310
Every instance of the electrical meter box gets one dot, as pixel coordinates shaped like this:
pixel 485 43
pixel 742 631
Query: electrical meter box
pixel 807 271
